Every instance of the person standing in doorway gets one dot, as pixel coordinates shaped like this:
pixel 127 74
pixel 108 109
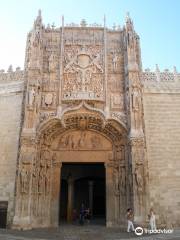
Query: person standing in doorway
pixel 130 216
pixel 82 214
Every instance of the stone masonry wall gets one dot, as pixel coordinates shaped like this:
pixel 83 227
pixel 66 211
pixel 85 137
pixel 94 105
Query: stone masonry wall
pixel 11 93
pixel 162 125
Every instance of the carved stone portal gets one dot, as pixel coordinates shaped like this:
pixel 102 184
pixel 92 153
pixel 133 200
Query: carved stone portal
pixel 83 104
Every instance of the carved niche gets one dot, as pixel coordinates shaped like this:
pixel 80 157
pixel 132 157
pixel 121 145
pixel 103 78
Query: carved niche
pixel 24 175
pixel 35 50
pixel 83 73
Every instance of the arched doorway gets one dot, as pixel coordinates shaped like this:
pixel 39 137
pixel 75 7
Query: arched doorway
pixel 83 137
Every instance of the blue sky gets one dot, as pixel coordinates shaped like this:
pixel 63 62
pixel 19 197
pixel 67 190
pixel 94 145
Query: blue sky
pixel 156 21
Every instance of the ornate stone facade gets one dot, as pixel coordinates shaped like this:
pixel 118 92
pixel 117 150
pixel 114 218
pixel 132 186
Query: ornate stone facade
pixel 83 98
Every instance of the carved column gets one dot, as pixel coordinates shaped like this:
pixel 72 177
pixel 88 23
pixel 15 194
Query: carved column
pixel 120 175
pixel 22 218
pixel 33 74
pixel 55 197
pixel 110 197
pixel 134 109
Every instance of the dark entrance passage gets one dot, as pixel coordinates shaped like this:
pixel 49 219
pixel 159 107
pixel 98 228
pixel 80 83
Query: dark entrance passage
pixel 3 214
pixel 82 184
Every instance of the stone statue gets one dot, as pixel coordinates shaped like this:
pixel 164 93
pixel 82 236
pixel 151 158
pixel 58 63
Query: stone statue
pixel 139 181
pixel 81 142
pixel 136 106
pixel 52 63
pixel 122 181
pixel 71 141
pixel 47 180
pixel 96 62
pixel 24 180
pixel 41 180
pixel 31 96
pixel 115 61
pixel 35 174
pixel 135 99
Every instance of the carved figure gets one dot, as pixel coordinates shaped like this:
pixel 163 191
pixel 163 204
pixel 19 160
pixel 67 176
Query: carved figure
pixel 52 63
pixel 41 180
pixel 122 181
pixel 96 62
pixel 31 96
pixel 35 174
pixel 135 99
pixel 95 141
pixel 116 180
pixel 139 180
pixel 47 180
pixel 115 61
pixel 24 180
pixel 81 142
pixel 64 141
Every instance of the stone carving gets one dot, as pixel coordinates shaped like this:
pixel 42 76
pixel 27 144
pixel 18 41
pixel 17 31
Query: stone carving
pixel 138 172
pixel 72 142
pixel 31 96
pixel 47 180
pixel 45 156
pixel 35 174
pixel 96 142
pixel 115 61
pixel 122 181
pixel 135 99
pixel 115 83
pixel 49 100
pixel 41 181
pixel 35 41
pixel 120 154
pixel 83 73
pixel 24 180
pixel 119 116
pixel 52 63
pixel 117 101
pixel 136 107
pixel 46 115
pixel 116 181
pixel 81 140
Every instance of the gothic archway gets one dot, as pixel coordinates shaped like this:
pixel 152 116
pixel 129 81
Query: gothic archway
pixel 81 132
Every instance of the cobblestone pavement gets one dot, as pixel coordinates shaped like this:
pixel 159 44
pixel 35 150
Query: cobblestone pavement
pixel 75 232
